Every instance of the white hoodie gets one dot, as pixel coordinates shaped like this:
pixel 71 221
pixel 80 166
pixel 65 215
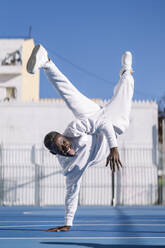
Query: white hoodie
pixel 91 139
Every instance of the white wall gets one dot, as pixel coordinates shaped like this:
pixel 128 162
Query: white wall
pixel 29 122
pixel 143 123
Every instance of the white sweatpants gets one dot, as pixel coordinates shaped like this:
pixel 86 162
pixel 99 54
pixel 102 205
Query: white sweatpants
pixel 117 110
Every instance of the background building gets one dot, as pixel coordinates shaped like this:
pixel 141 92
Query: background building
pixel 15 83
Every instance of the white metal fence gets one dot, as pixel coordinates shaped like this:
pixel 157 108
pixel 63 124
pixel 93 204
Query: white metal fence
pixel 29 175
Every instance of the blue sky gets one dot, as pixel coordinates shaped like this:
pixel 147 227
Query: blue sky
pixel 86 39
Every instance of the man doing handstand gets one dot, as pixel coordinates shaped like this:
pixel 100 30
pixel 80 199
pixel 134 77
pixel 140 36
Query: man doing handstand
pixel 91 137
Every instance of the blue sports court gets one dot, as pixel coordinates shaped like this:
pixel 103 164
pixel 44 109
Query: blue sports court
pixel 96 227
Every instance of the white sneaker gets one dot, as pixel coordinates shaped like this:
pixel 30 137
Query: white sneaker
pixel 38 59
pixel 126 62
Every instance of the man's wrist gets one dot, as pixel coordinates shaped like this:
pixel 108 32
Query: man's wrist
pixel 113 148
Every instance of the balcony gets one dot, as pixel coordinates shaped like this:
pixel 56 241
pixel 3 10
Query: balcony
pixel 11 63
pixel 11 69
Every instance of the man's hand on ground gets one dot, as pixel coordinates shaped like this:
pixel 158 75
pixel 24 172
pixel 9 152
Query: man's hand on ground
pixel 59 229
pixel 113 159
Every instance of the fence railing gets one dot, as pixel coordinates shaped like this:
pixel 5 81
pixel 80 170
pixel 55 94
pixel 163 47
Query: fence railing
pixel 29 175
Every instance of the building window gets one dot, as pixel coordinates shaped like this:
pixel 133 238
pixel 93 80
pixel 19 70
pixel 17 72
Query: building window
pixel 13 58
pixel 8 93
pixel 11 92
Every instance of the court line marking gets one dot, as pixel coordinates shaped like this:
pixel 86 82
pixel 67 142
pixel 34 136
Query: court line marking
pixel 51 238
pixel 88 225
pixel 54 221
pixel 61 221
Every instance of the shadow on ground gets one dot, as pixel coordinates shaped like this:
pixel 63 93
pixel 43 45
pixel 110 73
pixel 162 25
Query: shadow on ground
pixel 94 245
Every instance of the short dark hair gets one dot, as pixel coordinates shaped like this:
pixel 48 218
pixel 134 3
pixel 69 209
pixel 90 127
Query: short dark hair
pixel 49 139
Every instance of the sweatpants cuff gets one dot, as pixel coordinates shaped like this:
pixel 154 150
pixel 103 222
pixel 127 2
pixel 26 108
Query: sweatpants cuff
pixel 69 222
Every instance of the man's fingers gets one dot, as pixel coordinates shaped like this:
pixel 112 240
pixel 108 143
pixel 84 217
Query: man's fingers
pixel 57 229
pixel 52 230
pixel 114 162
pixel 111 165
pixel 120 163
pixel 107 162
pixel 117 165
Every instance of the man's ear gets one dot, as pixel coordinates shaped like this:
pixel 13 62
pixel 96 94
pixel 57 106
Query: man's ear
pixel 53 153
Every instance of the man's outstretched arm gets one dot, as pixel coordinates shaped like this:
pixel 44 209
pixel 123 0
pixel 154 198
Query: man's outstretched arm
pixel 113 158
pixel 71 202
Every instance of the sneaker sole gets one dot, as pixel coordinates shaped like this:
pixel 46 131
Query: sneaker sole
pixel 32 60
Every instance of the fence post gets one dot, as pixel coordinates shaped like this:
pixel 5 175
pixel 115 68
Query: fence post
pixel 163 160
pixel 1 177
pixel 113 202
pixel 37 176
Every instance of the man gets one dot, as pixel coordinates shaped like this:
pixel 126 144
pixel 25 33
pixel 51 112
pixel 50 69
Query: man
pixel 91 138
